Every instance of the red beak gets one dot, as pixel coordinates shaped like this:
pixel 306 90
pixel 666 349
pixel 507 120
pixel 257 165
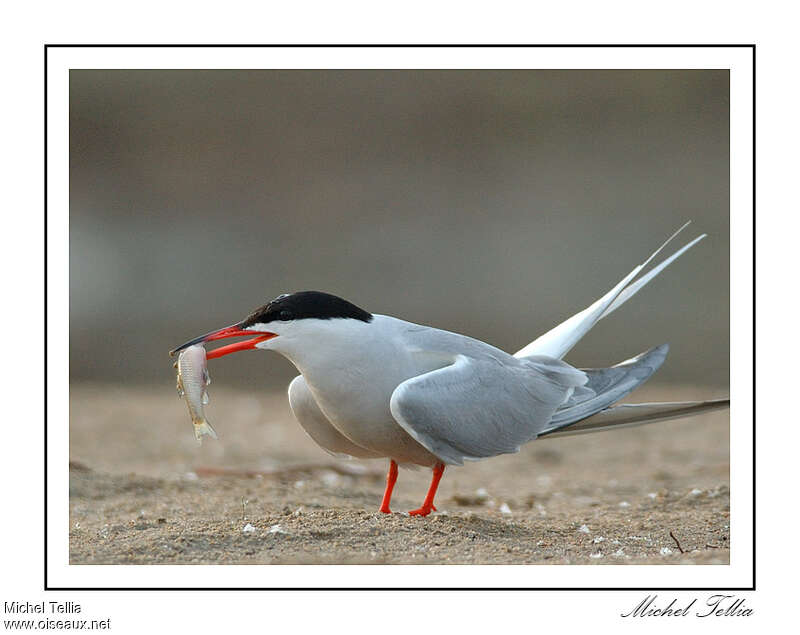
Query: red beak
pixel 228 331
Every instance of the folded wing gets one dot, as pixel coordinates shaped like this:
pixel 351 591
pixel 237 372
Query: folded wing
pixel 608 385
pixel 476 408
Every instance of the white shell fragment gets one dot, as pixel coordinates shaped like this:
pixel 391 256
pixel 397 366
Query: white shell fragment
pixel 330 478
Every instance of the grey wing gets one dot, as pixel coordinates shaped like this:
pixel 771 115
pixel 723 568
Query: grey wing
pixel 316 424
pixel 476 408
pixel 608 385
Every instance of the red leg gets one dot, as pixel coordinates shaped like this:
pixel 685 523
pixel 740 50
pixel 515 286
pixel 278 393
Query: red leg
pixel 391 478
pixel 427 505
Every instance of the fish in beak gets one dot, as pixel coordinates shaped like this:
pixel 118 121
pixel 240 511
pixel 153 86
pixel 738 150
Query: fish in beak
pixel 229 331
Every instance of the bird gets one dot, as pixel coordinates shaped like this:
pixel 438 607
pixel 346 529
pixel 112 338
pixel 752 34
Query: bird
pixel 375 386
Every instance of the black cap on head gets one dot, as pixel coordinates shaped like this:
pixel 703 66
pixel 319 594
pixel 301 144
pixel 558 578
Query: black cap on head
pixel 305 304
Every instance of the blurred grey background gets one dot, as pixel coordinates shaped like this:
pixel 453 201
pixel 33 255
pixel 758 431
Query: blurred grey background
pixel 492 203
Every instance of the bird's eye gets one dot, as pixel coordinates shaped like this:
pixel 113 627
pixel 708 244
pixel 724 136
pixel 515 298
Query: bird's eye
pixel 286 315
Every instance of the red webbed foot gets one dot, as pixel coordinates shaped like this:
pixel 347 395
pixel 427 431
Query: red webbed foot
pixel 428 506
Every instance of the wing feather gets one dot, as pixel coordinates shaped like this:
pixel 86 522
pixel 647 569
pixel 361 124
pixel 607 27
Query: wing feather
pixel 627 415
pixel 476 408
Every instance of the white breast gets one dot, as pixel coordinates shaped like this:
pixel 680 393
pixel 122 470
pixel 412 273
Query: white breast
pixel 352 368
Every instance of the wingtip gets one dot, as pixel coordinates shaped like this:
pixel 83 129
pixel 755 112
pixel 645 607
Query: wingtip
pixel 662 350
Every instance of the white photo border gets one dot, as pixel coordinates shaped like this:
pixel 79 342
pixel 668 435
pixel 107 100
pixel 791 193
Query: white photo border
pixel 739 59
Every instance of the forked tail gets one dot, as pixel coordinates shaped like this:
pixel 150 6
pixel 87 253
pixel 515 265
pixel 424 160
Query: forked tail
pixel 202 428
pixel 558 341
pixel 591 410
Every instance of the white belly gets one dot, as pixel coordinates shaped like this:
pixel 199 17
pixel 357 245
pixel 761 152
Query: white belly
pixel 363 416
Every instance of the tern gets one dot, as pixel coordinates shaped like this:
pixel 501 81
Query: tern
pixel 375 386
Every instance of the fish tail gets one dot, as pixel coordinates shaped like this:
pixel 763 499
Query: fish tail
pixel 203 427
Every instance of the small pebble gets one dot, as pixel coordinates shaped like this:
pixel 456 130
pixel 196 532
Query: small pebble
pixel 330 478
pixel 584 529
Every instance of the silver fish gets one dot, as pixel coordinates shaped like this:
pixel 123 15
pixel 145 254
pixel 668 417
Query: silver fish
pixel 193 378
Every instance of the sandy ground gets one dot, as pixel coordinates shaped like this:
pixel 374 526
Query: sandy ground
pixel 143 492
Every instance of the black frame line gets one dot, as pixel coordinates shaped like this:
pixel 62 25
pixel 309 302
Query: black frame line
pixel 47 587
